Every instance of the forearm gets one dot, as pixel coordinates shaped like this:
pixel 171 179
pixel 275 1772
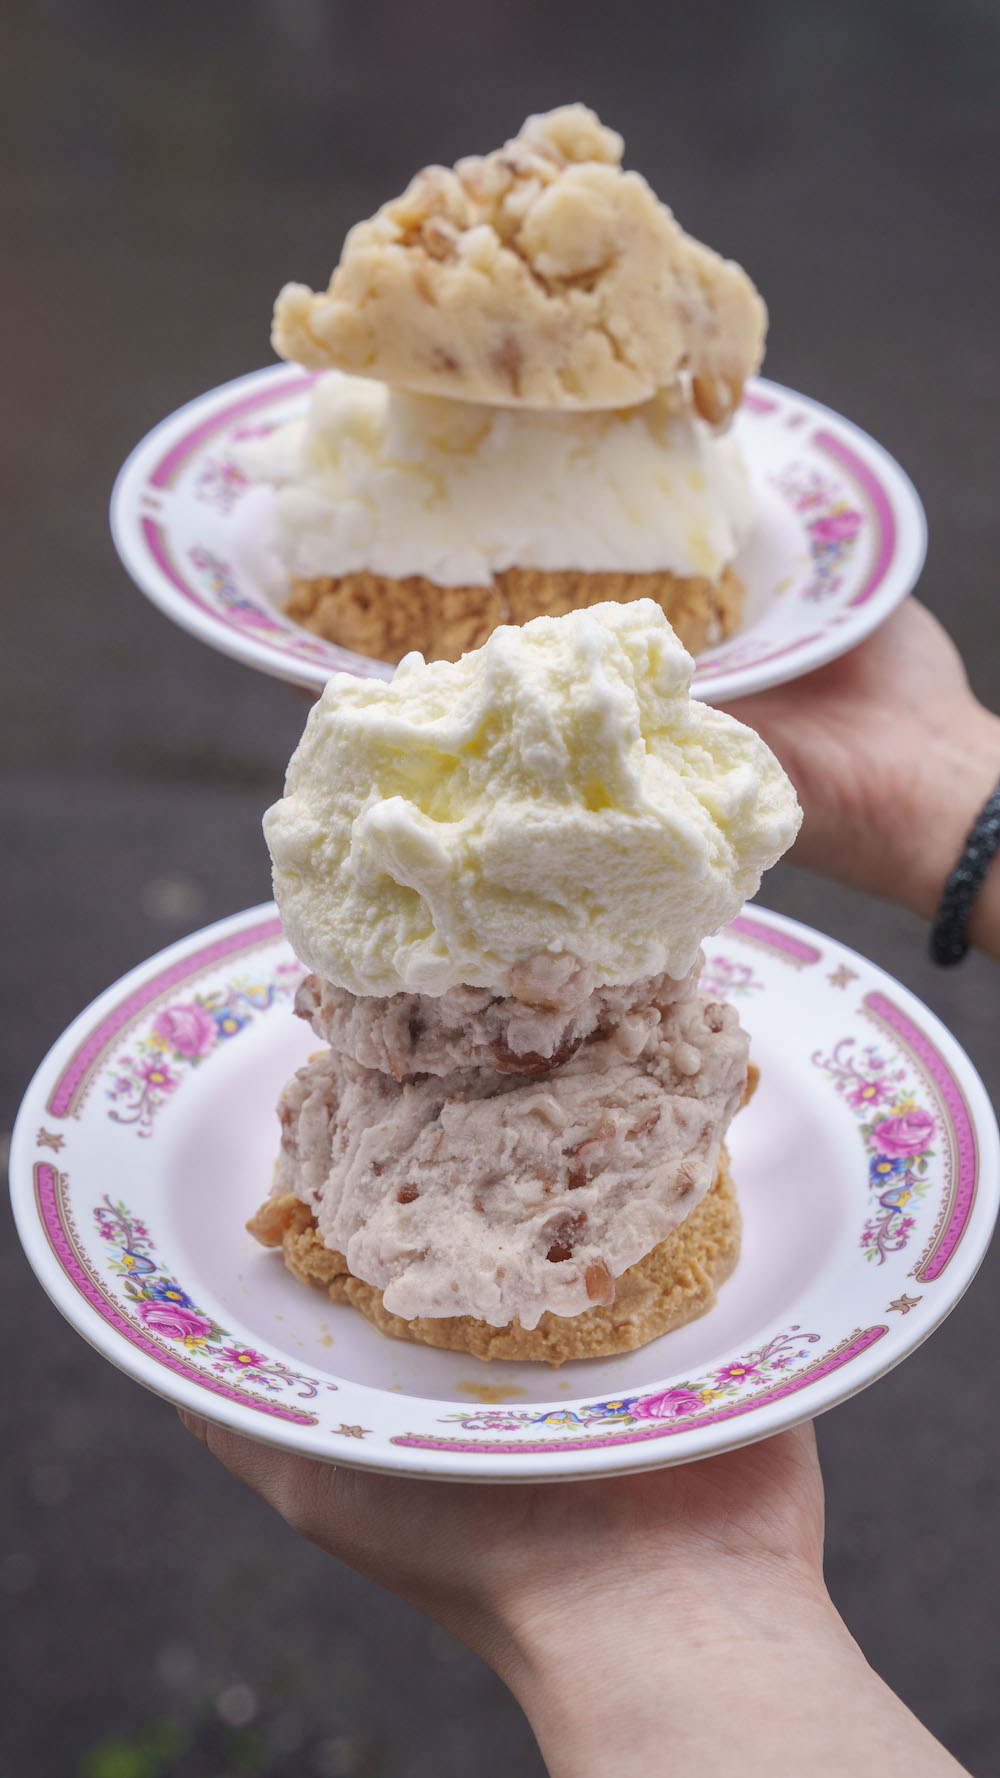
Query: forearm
pixel 776 1690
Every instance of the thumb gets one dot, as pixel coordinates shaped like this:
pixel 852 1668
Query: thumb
pixel 299 1488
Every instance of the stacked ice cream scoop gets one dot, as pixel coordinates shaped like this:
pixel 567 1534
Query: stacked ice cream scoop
pixel 529 364
pixel 500 872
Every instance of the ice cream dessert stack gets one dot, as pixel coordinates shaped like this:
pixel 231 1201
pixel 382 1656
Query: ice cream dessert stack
pixel 500 872
pixel 529 369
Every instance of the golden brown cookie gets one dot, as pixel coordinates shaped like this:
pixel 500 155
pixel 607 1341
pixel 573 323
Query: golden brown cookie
pixel 386 618
pixel 675 1283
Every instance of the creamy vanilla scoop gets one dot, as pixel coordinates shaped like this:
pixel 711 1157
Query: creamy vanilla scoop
pixel 556 791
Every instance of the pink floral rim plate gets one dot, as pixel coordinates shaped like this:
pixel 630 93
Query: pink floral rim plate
pixel 867 1166
pixel 840 537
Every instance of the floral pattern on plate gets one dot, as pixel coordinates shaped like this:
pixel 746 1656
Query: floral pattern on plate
pixel 833 524
pixel 688 1397
pixel 220 482
pixel 897 1133
pixel 221 583
pixel 165 1309
pixel 180 1038
pixel 727 978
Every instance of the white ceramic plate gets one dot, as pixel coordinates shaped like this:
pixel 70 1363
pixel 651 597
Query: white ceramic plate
pixel 840 537
pixel 867 1166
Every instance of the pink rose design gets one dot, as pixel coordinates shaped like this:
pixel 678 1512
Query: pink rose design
pixel 174 1320
pixel 907 1134
pixel 837 527
pixel 187 1028
pixel 667 1405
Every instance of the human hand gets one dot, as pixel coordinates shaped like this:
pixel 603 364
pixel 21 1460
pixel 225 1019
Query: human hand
pixel 674 1621
pixel 512 1568
pixel 558 1583
pixel 891 754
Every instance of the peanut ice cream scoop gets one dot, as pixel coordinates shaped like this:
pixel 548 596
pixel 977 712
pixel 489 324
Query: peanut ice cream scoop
pixel 540 275
pixel 557 793
pixel 490 1194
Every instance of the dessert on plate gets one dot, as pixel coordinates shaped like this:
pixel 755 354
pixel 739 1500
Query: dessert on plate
pixel 499 872
pixel 528 372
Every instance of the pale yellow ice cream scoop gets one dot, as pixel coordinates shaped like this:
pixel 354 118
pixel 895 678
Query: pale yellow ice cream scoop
pixel 557 790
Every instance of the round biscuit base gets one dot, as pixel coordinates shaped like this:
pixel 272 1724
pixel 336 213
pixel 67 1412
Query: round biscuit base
pixel 673 1284
pixel 375 615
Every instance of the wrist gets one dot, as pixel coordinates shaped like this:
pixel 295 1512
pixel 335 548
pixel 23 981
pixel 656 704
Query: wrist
pixel 621 1694
pixel 631 1671
pixel 770 1682
pixel 952 780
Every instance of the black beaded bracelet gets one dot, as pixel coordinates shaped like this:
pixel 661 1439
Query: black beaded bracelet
pixel 948 941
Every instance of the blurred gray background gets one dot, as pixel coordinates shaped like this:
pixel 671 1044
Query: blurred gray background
pixel 168 167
